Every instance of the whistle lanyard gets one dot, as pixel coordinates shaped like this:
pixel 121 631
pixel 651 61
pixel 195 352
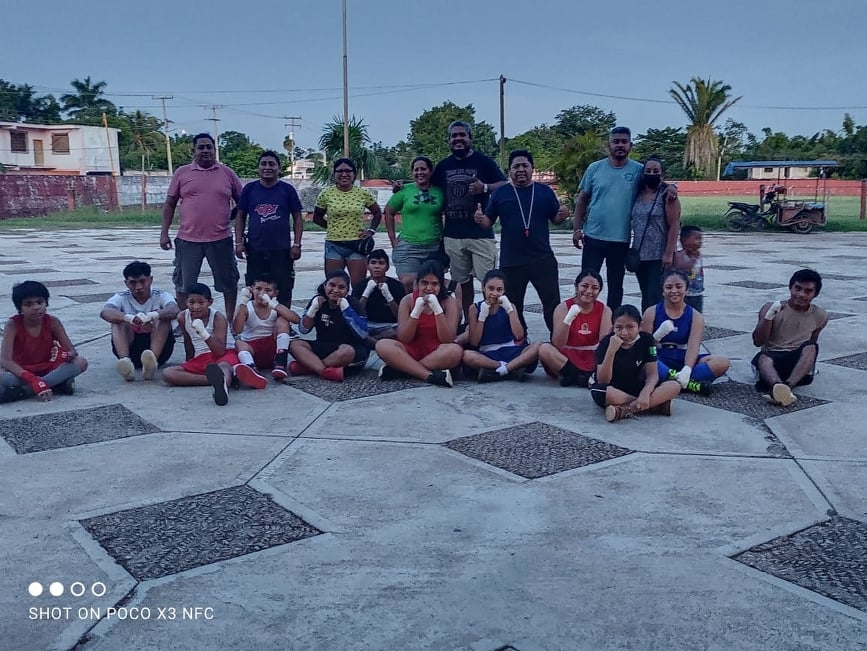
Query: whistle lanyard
pixel 524 218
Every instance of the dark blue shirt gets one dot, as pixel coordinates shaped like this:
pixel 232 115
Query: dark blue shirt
pixel 522 244
pixel 269 211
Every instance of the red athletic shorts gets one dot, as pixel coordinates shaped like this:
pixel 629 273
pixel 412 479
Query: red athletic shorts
pixel 264 351
pixel 199 363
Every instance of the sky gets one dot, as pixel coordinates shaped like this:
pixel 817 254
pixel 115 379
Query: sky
pixel 798 65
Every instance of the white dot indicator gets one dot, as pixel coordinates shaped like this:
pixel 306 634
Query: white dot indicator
pixel 56 589
pixel 35 589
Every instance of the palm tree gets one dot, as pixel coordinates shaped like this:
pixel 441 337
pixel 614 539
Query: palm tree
pixel 88 98
pixel 145 133
pixel 331 143
pixel 703 102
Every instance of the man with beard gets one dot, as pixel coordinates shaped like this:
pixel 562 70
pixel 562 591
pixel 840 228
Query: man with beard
pixel 524 209
pixel 603 211
pixel 272 243
pixel 205 190
pixel 467 177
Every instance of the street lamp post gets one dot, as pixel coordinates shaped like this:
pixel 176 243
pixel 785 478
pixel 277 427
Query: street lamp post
pixel 345 90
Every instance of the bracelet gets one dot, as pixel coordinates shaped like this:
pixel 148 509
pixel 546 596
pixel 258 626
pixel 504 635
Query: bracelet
pixel 295 246
pixel 371 230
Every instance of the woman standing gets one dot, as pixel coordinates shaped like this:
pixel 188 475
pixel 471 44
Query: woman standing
pixel 655 226
pixel 420 205
pixel 344 204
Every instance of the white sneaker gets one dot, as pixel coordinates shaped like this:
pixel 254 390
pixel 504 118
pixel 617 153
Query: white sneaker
pixel 783 395
pixel 126 369
pixel 148 365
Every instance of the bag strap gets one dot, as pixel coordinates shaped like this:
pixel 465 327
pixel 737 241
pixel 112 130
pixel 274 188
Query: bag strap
pixel 649 215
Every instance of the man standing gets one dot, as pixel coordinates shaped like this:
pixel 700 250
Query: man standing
pixel 205 190
pixel 269 247
pixel 467 177
pixel 524 209
pixel 788 334
pixel 603 211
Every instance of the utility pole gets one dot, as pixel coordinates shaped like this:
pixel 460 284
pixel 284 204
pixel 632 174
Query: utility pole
pixel 291 125
pixel 215 119
pixel 166 130
pixel 345 90
pixel 502 122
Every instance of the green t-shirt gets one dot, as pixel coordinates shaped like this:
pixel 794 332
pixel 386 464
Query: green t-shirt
pixel 344 211
pixel 420 213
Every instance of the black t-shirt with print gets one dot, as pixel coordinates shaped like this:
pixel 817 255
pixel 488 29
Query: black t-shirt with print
pixel 454 175
pixel 628 368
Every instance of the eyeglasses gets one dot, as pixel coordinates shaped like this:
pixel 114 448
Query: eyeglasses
pixel 343 171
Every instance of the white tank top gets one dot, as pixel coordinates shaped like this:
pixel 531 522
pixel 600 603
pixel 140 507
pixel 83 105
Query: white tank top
pixel 256 328
pixel 200 345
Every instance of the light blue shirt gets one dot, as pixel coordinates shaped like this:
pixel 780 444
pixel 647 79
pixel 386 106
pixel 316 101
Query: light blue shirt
pixel 612 191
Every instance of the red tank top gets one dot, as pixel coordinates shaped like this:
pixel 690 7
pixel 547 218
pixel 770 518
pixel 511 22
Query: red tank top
pixel 33 353
pixel 426 330
pixel 584 333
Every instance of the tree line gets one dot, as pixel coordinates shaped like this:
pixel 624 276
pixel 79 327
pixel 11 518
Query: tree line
pixel 576 136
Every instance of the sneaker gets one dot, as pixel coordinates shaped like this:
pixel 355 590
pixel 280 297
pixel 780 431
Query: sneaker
pixel 299 369
pixel 332 373
pixel 65 388
pixel 518 375
pixel 782 395
pixel 11 394
pixel 250 377
pixel 126 369
pixel 441 378
pixel 664 409
pixel 617 412
pixel 177 333
pixel 148 365
pixel 218 381
pixel 566 380
pixel 387 372
pixel 279 370
pixel 701 388
pixel 488 375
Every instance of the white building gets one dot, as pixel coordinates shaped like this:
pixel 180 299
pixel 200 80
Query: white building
pixel 67 149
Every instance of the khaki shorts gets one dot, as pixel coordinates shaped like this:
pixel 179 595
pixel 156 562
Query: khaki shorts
pixel 470 257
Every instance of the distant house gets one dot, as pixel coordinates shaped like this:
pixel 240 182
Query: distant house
pixel 773 173
pixel 61 149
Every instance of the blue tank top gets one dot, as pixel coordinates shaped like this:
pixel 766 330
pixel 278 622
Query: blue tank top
pixel 672 347
pixel 497 329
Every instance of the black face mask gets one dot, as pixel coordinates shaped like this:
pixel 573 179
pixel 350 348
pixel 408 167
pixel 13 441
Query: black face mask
pixel 652 181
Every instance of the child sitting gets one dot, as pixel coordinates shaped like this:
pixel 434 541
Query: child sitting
pixel 341 332
pixel 380 296
pixel 496 330
pixel 263 324
pixel 37 356
pixel 210 361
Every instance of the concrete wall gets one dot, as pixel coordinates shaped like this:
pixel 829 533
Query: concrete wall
pixel 796 187
pixel 25 195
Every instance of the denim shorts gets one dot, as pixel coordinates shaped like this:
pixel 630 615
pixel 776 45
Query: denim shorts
pixel 339 251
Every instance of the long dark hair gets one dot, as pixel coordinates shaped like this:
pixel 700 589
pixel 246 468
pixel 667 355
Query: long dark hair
pixel 434 268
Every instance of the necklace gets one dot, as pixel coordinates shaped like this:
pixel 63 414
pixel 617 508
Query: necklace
pixel 525 219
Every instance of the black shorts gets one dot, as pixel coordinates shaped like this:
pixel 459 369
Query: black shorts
pixel 278 265
pixel 141 341
pixel 221 259
pixel 784 363
pixel 324 348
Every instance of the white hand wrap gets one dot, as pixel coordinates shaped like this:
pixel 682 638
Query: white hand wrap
pixel 571 315
pixel 417 308
pixel 683 376
pixel 246 295
pixel 313 310
pixel 434 304
pixel 153 316
pixel 507 304
pixel 484 311
pixel 386 293
pixel 776 306
pixel 201 330
pixel 129 318
pixel 343 304
pixel 371 285
pixel 665 328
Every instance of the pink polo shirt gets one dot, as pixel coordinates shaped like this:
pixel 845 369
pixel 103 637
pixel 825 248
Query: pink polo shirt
pixel 205 195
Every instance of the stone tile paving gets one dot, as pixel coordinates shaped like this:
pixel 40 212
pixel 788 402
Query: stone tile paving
pixel 536 449
pixel 68 283
pixel 744 399
pixel 827 558
pixel 90 298
pixel 70 428
pixel 161 539
pixel 31 270
pixel 14 262
pixel 833 316
pixel 713 332
pixel 842 277
pixel 755 284
pixel 857 361
pixel 726 267
pixel 359 385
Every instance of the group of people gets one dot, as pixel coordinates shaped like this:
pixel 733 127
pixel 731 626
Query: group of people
pixel 632 360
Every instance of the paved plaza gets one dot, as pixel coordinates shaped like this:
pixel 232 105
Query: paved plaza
pixel 398 515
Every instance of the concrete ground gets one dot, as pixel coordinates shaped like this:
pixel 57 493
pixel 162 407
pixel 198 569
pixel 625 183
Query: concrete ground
pixel 397 515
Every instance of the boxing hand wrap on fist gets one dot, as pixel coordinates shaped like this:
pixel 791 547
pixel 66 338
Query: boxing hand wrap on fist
pixel 152 316
pixel 371 285
pixel 506 304
pixel 683 376
pixel 59 355
pixel 571 315
pixel 343 304
pixel 434 304
pixel 201 330
pixel 665 328
pixel 129 318
pixel 484 311
pixel 417 308
pixel 36 383
pixel 273 302
pixel 313 310
pixel 776 306
pixel 246 295
pixel 386 293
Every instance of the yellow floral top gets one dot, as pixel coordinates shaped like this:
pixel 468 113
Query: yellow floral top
pixel 344 211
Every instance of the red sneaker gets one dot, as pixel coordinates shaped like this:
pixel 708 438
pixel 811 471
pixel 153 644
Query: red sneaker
pixel 299 369
pixel 335 374
pixel 249 377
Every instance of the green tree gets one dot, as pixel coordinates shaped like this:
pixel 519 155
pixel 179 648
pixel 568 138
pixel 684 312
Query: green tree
pixel 668 144
pixel 145 140
pixel 19 103
pixel 704 102
pixel 428 133
pixel 584 118
pixel 240 153
pixel 573 160
pixel 88 102
pixel 331 142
